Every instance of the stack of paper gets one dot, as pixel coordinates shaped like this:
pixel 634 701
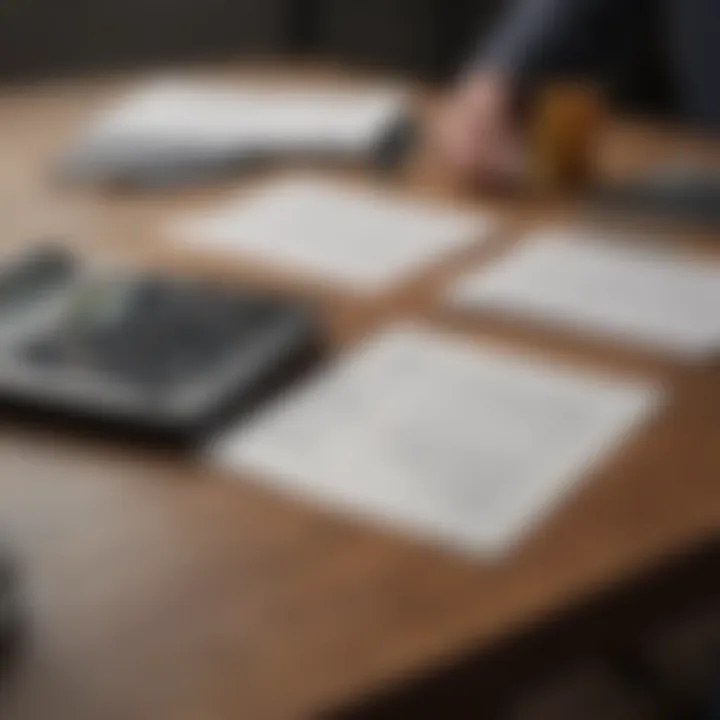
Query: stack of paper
pixel 175 119
pixel 461 442
pixel 362 237
pixel 658 299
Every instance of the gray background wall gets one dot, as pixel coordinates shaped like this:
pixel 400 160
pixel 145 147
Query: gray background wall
pixel 429 39
pixel 57 37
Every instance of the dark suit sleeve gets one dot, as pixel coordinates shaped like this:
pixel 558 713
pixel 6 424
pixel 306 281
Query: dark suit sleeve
pixel 546 37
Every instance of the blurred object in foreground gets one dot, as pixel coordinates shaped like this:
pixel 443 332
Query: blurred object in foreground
pixel 163 357
pixel 10 611
pixel 565 126
pixel 40 274
pixel 179 132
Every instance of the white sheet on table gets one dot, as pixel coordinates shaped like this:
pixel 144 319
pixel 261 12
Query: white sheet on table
pixel 252 115
pixel 364 237
pixel 640 295
pixel 462 442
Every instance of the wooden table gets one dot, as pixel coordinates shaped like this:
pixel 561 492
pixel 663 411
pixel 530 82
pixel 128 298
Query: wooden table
pixel 155 589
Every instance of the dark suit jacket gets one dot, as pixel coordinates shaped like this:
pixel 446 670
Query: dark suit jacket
pixel 613 40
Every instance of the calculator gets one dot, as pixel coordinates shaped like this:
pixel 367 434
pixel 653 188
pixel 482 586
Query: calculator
pixel 156 355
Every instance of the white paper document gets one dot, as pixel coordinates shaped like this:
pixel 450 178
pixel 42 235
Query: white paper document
pixel 458 441
pixel 365 237
pixel 259 116
pixel 654 298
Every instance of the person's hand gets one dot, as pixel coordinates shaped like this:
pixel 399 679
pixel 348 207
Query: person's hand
pixel 475 136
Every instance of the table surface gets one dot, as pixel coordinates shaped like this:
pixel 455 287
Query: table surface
pixel 155 588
